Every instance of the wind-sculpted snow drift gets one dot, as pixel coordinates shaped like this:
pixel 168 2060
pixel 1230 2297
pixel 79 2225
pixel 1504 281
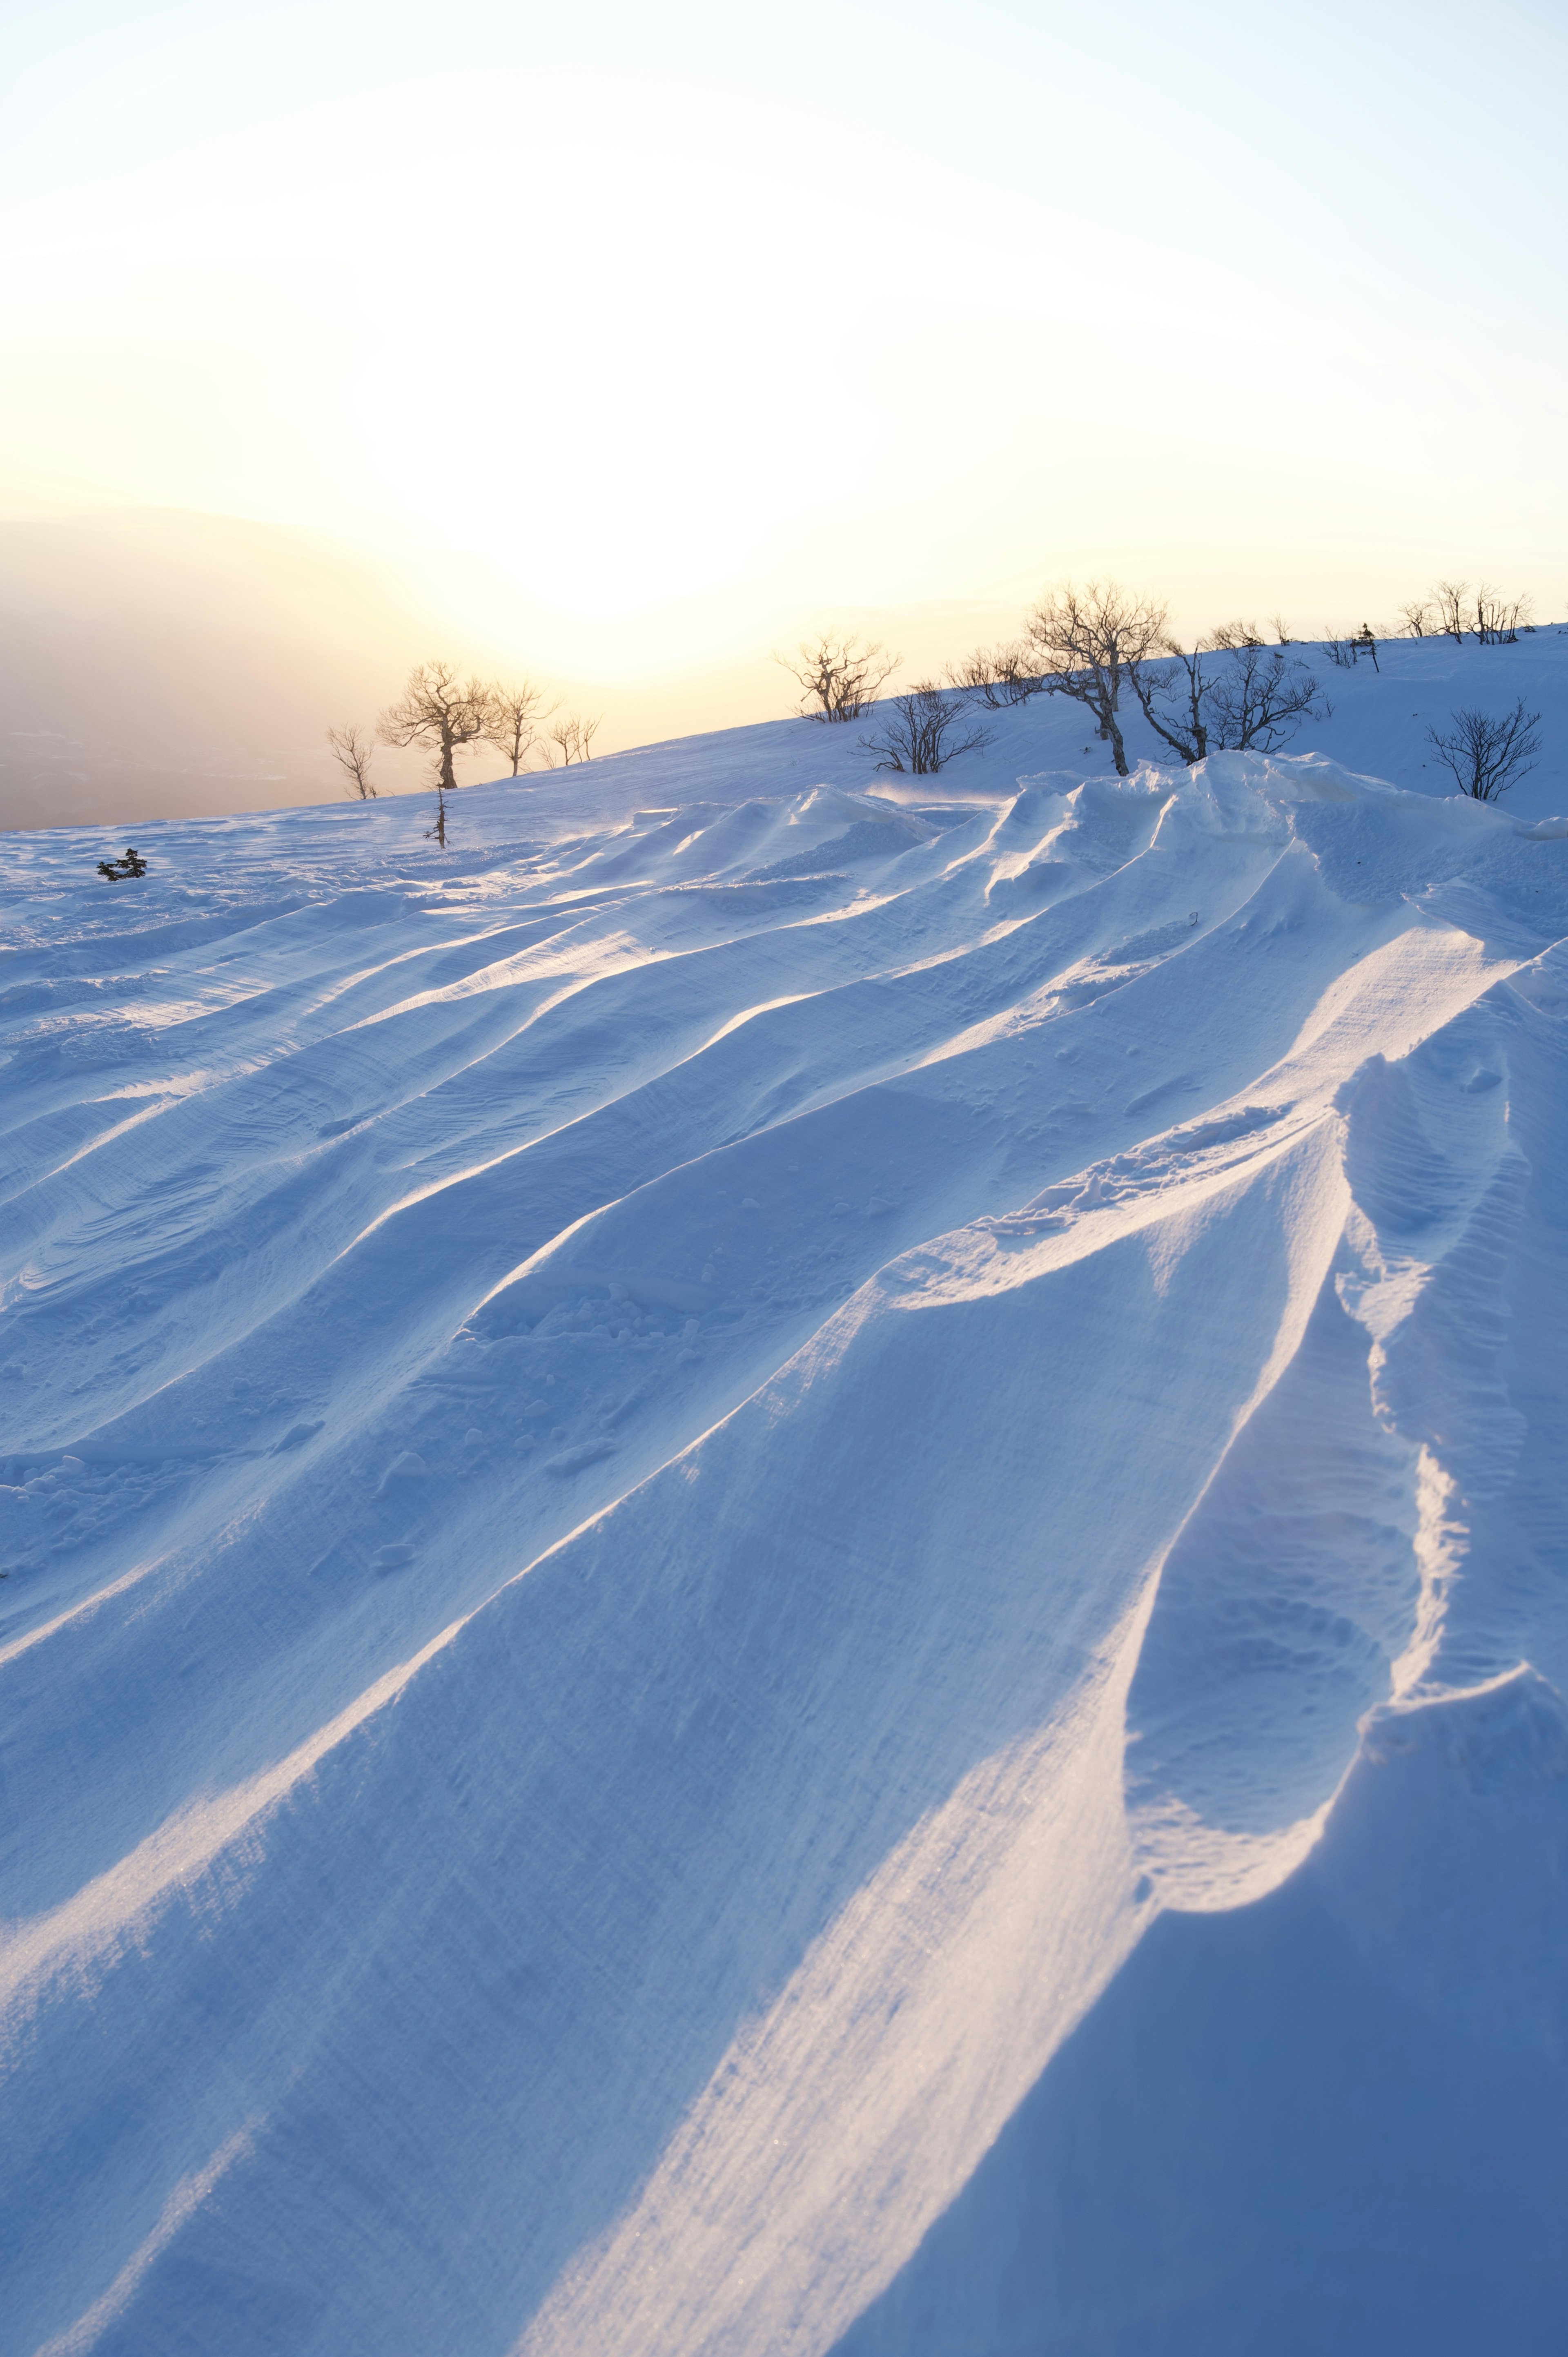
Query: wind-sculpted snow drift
pixel 790 1580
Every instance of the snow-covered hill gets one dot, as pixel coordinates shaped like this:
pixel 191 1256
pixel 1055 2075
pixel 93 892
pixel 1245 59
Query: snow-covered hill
pixel 790 1577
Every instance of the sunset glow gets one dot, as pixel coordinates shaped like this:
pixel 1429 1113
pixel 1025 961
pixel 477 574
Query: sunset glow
pixel 685 328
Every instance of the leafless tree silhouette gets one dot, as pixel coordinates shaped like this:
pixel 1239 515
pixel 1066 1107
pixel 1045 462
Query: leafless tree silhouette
pixel 1260 699
pixel 1225 699
pixel 1498 618
pixel 842 675
pixel 1487 755
pixel 440 712
pixel 916 728
pixel 998 676
pixel 1091 642
pixel 1417 617
pixel 1236 634
pixel 351 751
pixel 1449 598
pixel 1175 697
pixel 574 737
pixel 514 712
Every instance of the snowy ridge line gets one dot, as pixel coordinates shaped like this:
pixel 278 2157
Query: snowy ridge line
pixel 888 1457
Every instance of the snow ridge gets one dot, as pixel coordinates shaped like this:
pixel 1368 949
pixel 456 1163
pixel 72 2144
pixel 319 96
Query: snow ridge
pixel 672 1498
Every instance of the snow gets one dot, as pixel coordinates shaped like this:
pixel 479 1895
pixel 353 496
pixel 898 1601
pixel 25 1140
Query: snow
pixel 786 1568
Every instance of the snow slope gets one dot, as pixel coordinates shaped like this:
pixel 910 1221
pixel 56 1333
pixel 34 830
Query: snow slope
pixel 791 1577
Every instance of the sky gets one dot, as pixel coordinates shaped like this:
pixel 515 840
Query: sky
pixel 653 335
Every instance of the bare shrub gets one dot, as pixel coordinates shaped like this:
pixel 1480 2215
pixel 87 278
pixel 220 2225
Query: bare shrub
pixel 1220 699
pixel 1091 642
pixel 1449 598
pixel 116 870
pixel 1417 617
pixel 1487 755
pixel 351 751
pixel 1498 618
pixel 574 737
pixel 1174 699
pixel 1236 634
pixel 842 675
pixel 998 676
pixel 917 732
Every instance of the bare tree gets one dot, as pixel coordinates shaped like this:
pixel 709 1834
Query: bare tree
pixel 1417 617
pixel 842 675
pixel 1175 700
pixel 997 676
pixel 574 737
pixel 440 712
pixel 1244 698
pixel 1235 634
pixel 1498 618
pixel 1260 699
pixel 1280 630
pixel 914 732
pixel 1091 642
pixel 1487 755
pixel 1449 597
pixel 351 751
pixel 514 712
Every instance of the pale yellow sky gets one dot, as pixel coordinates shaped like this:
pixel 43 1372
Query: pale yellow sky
pixel 641 340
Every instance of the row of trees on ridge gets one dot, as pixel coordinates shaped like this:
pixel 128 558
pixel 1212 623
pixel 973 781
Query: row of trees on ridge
pixel 441 712
pixel 1229 691
pixel 1233 690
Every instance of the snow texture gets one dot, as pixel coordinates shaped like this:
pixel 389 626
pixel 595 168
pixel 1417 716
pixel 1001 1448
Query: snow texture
pixel 790 1577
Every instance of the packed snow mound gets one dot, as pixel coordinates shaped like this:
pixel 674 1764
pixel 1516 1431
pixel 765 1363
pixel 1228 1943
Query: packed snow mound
pixel 790 1579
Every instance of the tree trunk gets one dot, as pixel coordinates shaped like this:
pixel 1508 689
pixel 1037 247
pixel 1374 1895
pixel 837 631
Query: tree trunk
pixel 1118 750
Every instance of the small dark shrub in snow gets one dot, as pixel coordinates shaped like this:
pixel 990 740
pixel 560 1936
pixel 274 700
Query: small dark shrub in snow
pixel 917 734
pixel 1486 756
pixel 1345 653
pixel 131 864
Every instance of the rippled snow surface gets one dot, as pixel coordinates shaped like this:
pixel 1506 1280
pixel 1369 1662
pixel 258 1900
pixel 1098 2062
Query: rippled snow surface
pixel 790 1579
